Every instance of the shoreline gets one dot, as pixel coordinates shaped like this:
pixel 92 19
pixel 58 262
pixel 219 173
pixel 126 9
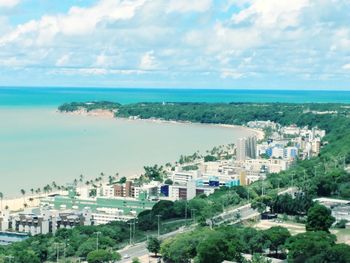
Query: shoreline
pixel 111 115
pixel 17 203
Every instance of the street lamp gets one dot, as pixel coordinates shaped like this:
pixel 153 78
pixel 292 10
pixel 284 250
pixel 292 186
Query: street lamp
pixel 186 213
pixel 134 230
pixel 193 216
pixel 57 246
pixel 97 234
pixel 130 224
pixel 158 224
pixel 65 247
pixel 10 258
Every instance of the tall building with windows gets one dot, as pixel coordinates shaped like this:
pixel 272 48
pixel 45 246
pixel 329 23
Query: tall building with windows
pixel 246 148
pixel 251 147
pixel 241 151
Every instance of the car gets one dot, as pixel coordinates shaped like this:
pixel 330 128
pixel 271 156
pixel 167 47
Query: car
pixel 126 256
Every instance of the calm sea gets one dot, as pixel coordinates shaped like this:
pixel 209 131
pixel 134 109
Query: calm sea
pixel 39 145
pixel 55 96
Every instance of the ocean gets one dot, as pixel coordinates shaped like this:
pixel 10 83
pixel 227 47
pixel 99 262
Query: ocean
pixel 55 96
pixel 38 145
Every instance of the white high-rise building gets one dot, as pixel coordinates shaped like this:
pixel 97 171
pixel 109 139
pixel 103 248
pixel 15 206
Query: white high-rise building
pixel 251 147
pixel 241 152
pixel 246 147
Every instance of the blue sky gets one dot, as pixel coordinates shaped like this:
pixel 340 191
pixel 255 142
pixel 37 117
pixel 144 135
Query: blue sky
pixel 255 44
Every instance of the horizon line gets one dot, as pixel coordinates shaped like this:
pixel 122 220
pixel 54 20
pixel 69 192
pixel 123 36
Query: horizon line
pixel 171 88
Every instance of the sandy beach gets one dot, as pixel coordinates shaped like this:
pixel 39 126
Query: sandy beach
pixel 17 203
pixel 92 113
pixel 111 114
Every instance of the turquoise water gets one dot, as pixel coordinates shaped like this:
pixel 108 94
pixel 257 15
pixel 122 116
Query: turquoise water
pixel 55 96
pixel 39 145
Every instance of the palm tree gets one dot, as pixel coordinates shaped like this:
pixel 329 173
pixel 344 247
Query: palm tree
pixel 1 197
pixel 23 192
pixel 81 177
pixel 110 179
pixel 32 191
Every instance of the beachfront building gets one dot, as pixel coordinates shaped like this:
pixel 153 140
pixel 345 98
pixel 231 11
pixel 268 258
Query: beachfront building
pixel 262 125
pixel 269 165
pixel 340 208
pixel 43 221
pixel 104 209
pixel 246 148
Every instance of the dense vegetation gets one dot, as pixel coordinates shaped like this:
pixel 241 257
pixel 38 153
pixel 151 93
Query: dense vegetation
pixel 78 242
pixel 230 243
pixel 321 176
pixel 225 113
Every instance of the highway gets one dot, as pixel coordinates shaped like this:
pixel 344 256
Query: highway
pixel 233 216
pixel 139 249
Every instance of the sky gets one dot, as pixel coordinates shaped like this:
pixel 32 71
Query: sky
pixel 238 44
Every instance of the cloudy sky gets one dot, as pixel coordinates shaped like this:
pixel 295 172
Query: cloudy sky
pixel 286 44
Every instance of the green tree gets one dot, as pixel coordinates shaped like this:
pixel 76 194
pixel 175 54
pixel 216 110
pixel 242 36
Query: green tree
pixel 101 256
pixel 23 192
pixel 217 248
pixel 210 158
pixel 339 253
pixel 153 245
pixel 135 260
pixel 155 173
pixel 1 198
pixel 277 236
pixel 319 218
pixel 261 203
pixel 183 247
pixel 122 180
pixel 25 256
pixel 253 241
pixel 168 181
pixel 258 258
pixel 86 247
pixel 344 190
pixel 310 247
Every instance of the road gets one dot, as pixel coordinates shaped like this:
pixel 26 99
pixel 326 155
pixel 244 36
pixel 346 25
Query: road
pixel 233 216
pixel 139 249
pixel 245 212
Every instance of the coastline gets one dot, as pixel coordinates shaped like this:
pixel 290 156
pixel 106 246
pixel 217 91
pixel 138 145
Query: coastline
pixel 17 203
pixel 111 115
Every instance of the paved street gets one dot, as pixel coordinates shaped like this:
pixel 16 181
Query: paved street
pixel 140 250
pixel 233 216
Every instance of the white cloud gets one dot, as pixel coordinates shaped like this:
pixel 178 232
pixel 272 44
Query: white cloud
pixel 94 71
pixel 272 13
pixel 341 40
pixel 221 38
pixel 63 60
pixel 9 3
pixel 148 61
pixel 78 21
pixel 231 73
pixel 346 66
pixel 183 6
pixel 228 40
